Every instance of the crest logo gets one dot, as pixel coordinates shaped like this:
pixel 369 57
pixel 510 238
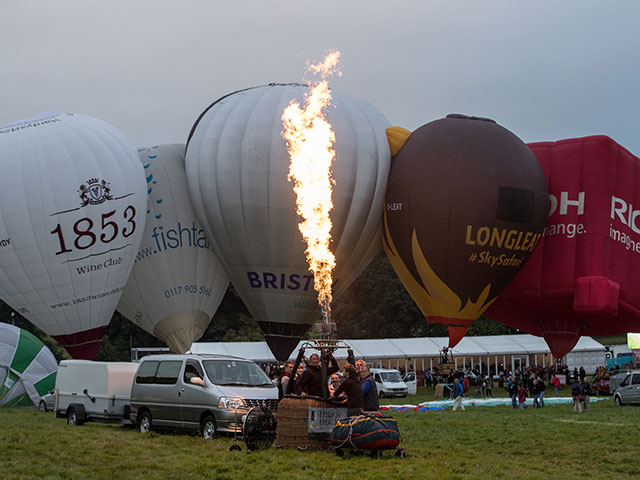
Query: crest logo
pixel 95 192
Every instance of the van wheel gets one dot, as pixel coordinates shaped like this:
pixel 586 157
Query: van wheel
pixel 72 417
pixel 381 394
pixel 618 400
pixel 208 428
pixel 42 406
pixel 144 422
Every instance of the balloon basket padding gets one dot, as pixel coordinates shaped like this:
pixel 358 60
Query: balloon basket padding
pixel 293 423
pixel 446 368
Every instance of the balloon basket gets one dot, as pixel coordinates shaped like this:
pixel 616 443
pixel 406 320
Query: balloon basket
pixel 293 424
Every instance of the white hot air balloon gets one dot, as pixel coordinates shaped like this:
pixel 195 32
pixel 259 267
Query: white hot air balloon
pixel 177 283
pixel 237 167
pixel 72 211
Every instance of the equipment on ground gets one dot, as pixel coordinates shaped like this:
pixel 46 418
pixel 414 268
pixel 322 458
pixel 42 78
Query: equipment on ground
pixel 258 430
pixel 375 432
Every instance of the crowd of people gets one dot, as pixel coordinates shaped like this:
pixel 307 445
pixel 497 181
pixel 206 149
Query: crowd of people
pixel 356 388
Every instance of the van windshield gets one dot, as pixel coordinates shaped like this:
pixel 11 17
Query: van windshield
pixel 391 376
pixel 235 372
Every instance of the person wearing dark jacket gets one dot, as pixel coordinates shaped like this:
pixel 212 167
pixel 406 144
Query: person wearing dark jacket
pixel 311 380
pixel 352 388
pixel 513 393
pixel 576 393
pixel 538 391
pixel 369 389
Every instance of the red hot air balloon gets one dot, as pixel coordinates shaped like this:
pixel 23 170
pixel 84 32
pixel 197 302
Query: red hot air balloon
pixel 584 277
pixel 466 205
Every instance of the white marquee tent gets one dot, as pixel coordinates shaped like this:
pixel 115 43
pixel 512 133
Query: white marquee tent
pixel 517 350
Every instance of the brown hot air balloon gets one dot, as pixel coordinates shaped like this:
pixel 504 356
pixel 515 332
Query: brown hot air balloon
pixel 466 205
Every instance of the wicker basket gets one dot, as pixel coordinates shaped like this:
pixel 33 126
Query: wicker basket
pixel 293 424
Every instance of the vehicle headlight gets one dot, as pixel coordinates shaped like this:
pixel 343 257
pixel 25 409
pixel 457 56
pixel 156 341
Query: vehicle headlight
pixel 231 402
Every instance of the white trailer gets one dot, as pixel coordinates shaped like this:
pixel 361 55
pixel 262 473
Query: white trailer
pixel 94 391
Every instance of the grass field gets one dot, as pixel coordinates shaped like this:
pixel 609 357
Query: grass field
pixel 481 442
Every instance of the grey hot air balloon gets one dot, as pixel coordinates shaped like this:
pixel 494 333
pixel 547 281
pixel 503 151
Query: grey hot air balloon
pixel 237 166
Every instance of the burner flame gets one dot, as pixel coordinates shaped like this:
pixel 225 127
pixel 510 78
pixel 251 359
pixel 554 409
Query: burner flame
pixel 310 140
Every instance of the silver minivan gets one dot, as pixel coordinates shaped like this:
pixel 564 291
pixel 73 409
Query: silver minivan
pixel 205 393
pixel 629 390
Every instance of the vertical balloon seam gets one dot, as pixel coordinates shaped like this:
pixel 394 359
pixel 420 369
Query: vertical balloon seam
pixel 636 169
pixel 117 151
pixel 91 279
pixel 383 158
pixel 66 128
pixel 79 287
pixel 171 167
pixel 369 227
pixel 287 95
pixel 40 165
pixel 218 129
pixel 145 322
pixel 277 96
pixel 154 163
pixel 340 241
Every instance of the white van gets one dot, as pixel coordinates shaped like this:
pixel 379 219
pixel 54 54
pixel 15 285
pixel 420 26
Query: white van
pixel 94 391
pixel 389 383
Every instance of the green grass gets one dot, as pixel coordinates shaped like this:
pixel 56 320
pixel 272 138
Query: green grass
pixel 481 442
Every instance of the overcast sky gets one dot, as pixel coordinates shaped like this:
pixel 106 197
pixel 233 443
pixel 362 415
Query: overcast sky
pixel 544 69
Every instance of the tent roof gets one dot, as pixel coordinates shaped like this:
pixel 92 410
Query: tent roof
pixel 406 347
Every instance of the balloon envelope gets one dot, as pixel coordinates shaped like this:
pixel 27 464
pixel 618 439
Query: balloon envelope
pixel 27 368
pixel 177 283
pixel 237 167
pixel 466 204
pixel 584 277
pixel 72 203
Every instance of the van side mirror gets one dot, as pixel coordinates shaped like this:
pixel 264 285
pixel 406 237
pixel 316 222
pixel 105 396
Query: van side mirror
pixel 197 381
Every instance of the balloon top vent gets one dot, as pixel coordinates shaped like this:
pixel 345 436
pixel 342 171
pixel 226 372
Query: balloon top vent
pixel 468 117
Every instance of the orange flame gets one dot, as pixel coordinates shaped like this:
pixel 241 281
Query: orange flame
pixel 310 140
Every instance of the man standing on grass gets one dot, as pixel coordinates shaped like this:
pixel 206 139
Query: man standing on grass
pixel 576 394
pixel 456 394
pixel 513 393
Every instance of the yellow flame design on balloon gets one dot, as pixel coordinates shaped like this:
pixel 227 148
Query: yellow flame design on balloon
pixel 433 296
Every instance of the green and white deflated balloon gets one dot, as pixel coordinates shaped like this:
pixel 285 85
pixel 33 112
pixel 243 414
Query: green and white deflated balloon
pixel 27 368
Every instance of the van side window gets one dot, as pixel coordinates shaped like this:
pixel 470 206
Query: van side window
pixel 147 372
pixel 636 379
pixel 168 372
pixel 377 378
pixel 190 371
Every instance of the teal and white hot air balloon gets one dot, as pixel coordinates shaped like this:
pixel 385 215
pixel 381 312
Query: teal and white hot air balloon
pixel 177 283
pixel 237 168
pixel 72 211
pixel 27 368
